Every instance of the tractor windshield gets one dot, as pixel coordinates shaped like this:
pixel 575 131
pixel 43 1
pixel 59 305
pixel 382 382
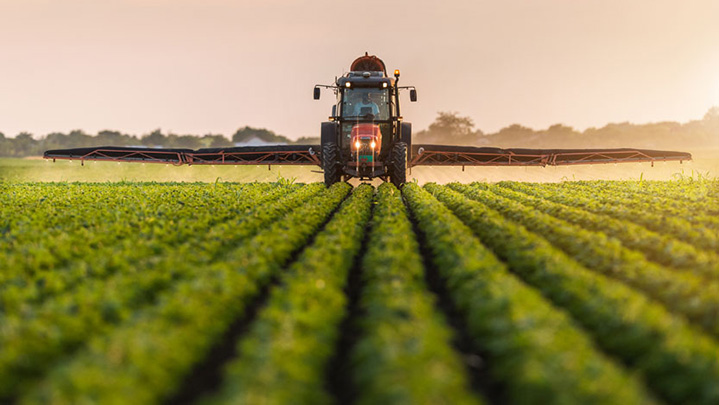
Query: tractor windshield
pixel 364 103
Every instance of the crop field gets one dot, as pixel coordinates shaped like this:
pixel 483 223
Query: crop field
pixel 585 292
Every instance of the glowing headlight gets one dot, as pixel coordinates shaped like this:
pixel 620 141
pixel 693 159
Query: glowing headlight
pixel 357 144
pixel 348 84
pixel 384 85
pixel 373 144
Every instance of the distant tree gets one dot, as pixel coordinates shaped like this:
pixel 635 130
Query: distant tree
pixel 154 138
pixel 24 145
pixel 215 141
pixel 516 129
pixel 6 147
pixel 612 136
pixel 559 136
pixel 112 138
pixel 185 141
pixel 450 123
pixel 712 114
pixel 78 138
pixel 560 129
pixel 248 133
pixel 708 129
pixel 54 140
pixel 514 135
pixel 450 128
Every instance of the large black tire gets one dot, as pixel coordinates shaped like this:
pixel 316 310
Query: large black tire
pixel 398 164
pixel 330 166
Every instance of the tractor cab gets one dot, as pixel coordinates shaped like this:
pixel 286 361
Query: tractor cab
pixel 365 136
pixel 366 119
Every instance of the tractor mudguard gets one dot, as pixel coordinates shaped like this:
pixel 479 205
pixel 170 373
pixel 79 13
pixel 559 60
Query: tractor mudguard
pixel 329 133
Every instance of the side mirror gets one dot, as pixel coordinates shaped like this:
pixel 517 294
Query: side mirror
pixel 317 93
pixel 334 110
pixel 413 95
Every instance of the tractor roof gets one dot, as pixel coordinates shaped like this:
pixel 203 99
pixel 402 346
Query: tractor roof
pixel 365 79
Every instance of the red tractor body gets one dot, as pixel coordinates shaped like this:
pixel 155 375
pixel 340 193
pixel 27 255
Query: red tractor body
pixel 366 142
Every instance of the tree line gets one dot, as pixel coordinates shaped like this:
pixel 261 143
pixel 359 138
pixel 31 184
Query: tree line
pixel 449 128
pixel 453 129
pixel 25 144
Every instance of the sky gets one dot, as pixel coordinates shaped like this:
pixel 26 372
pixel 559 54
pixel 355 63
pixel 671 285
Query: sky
pixel 213 66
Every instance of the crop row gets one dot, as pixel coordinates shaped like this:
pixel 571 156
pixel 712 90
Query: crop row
pixel 97 305
pixel 285 354
pixel 698 213
pixel 282 293
pixel 101 256
pixel 684 293
pixel 680 228
pixel 702 194
pixel 67 221
pixel 679 363
pixel 404 353
pixel 63 210
pixel 52 231
pixel 659 247
pixel 534 349
pixel 163 342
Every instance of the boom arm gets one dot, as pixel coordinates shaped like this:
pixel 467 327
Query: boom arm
pixel 422 155
pixel 447 155
pixel 246 155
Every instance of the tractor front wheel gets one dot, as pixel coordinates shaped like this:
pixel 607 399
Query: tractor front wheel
pixel 398 164
pixel 330 157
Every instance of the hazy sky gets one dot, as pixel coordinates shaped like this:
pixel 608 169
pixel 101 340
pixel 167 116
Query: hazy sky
pixel 201 66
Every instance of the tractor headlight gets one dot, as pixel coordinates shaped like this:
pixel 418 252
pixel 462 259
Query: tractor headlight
pixel 357 144
pixel 348 84
pixel 373 144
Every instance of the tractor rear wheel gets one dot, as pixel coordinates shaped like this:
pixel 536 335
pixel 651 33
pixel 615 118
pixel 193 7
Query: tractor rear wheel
pixel 398 164
pixel 330 157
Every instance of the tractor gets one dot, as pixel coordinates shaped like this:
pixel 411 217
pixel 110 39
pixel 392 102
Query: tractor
pixel 365 136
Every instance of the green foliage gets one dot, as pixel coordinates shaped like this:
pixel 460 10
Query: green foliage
pixel 75 315
pixel 162 215
pixel 192 315
pixel 535 349
pixel 577 292
pixel 682 224
pixel 684 293
pixel 284 357
pixel 283 181
pixel 662 248
pixel 404 355
pixel 679 363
